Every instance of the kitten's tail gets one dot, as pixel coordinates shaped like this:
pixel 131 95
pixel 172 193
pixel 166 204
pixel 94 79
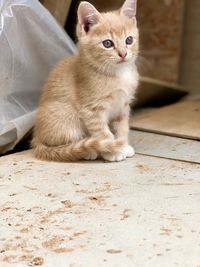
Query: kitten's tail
pixel 76 151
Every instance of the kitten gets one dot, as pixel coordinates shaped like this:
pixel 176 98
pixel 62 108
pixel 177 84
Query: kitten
pixel 84 108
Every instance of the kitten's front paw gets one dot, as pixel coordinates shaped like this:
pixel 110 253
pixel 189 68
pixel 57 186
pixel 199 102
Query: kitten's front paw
pixel 126 152
pixel 91 156
pixel 129 151
pixel 118 156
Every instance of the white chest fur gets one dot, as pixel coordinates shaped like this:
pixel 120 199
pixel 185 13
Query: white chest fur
pixel 128 76
pixel 126 84
pixel 125 74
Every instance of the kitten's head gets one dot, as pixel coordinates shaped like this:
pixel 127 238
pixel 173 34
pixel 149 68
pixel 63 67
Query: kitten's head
pixel 110 39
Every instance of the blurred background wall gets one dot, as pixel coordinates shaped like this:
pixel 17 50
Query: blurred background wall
pixel 190 57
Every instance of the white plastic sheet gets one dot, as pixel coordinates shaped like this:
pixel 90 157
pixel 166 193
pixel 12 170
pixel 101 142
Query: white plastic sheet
pixel 31 42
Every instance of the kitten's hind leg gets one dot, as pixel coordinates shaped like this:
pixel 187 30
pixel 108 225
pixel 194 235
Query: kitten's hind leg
pixel 91 156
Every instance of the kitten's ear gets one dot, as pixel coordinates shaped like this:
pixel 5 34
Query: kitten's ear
pixel 129 9
pixel 88 16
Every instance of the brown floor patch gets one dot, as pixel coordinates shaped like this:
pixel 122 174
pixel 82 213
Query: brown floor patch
pixel 67 203
pixel 165 231
pixel 53 242
pixel 99 200
pixel 9 259
pixel 125 214
pixel 37 261
pixel 113 251
pixel 63 250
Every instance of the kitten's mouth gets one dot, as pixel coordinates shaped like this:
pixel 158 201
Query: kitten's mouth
pixel 121 61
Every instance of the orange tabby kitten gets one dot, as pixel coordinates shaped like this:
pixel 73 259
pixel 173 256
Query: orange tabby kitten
pixel 84 109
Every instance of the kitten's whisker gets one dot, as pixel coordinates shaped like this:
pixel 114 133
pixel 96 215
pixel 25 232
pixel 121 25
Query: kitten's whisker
pixel 103 67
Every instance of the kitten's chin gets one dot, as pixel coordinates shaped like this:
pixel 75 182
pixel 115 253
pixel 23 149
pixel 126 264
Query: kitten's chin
pixel 126 61
pixel 121 61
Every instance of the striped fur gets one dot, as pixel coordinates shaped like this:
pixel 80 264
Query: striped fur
pixel 84 107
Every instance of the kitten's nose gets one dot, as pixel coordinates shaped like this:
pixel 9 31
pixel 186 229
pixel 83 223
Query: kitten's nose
pixel 122 54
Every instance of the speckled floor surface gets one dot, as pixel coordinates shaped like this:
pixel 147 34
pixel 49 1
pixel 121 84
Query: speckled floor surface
pixel 143 212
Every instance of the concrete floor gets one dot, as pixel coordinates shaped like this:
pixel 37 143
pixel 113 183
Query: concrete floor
pixel 143 212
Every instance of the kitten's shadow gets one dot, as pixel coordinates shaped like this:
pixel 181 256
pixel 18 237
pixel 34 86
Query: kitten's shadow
pixel 98 161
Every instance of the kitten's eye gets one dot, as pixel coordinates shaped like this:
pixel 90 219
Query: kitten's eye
pixel 108 43
pixel 129 40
